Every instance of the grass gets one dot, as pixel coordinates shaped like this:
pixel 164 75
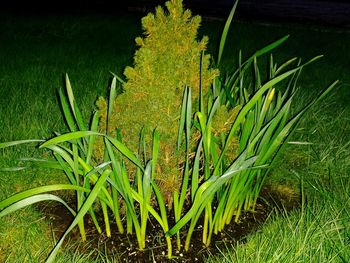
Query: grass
pixel 38 51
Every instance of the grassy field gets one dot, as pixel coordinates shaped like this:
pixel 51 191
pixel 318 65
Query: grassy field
pixel 35 52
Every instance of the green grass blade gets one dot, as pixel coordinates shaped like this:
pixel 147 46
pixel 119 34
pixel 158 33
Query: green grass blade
pixel 83 210
pixel 271 46
pixel 118 78
pixel 14 143
pixel 182 118
pixel 73 105
pixel 225 31
pixel 238 74
pixel 79 118
pixel 39 190
pixel 251 103
pixel 125 151
pixel 284 65
pixel 67 111
pixel 68 137
pixel 146 182
pixel 69 93
pixel 155 152
pixel 116 180
pixel 32 200
pixel 12 169
pixel 64 160
pixel 188 118
pixel 195 170
pixel 92 138
pixel 146 198
pixel 112 96
pixel 36 162
pixel 161 205
pixel 208 188
pixel 163 214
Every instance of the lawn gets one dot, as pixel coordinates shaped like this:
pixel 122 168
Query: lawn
pixel 35 52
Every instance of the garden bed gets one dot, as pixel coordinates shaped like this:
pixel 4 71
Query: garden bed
pixel 125 246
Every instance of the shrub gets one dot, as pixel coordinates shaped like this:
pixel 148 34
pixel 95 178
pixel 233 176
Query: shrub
pixel 168 59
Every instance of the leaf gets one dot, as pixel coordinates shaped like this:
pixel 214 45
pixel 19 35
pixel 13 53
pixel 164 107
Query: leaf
pixel 112 96
pixel 67 111
pixel 14 143
pixel 32 200
pixel 68 137
pixel 125 151
pixel 225 31
pixel 118 78
pixel 182 118
pixel 208 188
pixel 39 190
pixel 83 210
pixel 12 169
pixel 155 152
pixel 91 141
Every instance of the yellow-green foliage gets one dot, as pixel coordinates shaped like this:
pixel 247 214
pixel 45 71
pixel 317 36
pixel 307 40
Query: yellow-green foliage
pixel 221 125
pixel 168 59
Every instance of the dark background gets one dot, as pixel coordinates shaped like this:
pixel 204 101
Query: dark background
pixel 328 12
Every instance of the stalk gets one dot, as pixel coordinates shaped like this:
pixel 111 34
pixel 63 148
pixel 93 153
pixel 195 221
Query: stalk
pixel 116 210
pixel 106 218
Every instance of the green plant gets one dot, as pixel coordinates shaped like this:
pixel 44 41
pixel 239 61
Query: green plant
pixel 168 58
pixel 222 162
pixel 101 183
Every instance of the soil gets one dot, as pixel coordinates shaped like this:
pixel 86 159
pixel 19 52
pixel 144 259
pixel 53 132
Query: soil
pixel 125 247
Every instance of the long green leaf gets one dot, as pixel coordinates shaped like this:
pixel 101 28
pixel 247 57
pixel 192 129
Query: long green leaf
pixel 38 190
pixel 112 96
pixel 67 111
pixel 14 143
pixel 68 137
pixel 204 192
pixel 250 104
pixel 182 118
pixel 83 210
pixel 32 200
pixel 118 78
pixel 91 141
pixel 225 31
pixel 125 151
pixel 12 169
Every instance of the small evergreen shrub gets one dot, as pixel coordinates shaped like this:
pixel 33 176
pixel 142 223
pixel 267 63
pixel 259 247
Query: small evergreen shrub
pixel 169 58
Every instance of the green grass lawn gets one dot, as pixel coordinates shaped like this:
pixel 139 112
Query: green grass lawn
pixel 36 52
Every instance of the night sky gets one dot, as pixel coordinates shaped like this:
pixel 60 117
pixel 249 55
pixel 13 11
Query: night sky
pixel 329 12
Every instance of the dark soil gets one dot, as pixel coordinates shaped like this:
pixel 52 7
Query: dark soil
pixel 125 247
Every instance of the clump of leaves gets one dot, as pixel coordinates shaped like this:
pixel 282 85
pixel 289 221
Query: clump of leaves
pixel 169 58
pixel 220 157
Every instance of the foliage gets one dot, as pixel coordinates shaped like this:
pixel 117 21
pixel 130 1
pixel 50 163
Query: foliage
pixel 223 140
pixel 319 231
pixel 168 59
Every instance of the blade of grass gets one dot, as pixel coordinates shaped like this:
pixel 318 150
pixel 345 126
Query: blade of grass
pixel 84 209
pixel 39 190
pixel 32 200
pixel 14 143
pixel 225 31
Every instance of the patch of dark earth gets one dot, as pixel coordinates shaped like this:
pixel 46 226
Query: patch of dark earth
pixel 125 247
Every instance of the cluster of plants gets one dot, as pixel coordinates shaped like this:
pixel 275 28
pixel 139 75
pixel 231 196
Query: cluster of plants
pixel 176 139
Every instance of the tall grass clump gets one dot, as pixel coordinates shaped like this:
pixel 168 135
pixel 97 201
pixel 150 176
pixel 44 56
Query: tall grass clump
pixel 174 140
pixel 319 231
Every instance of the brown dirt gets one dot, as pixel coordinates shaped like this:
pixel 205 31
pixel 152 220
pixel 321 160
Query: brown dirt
pixel 126 248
